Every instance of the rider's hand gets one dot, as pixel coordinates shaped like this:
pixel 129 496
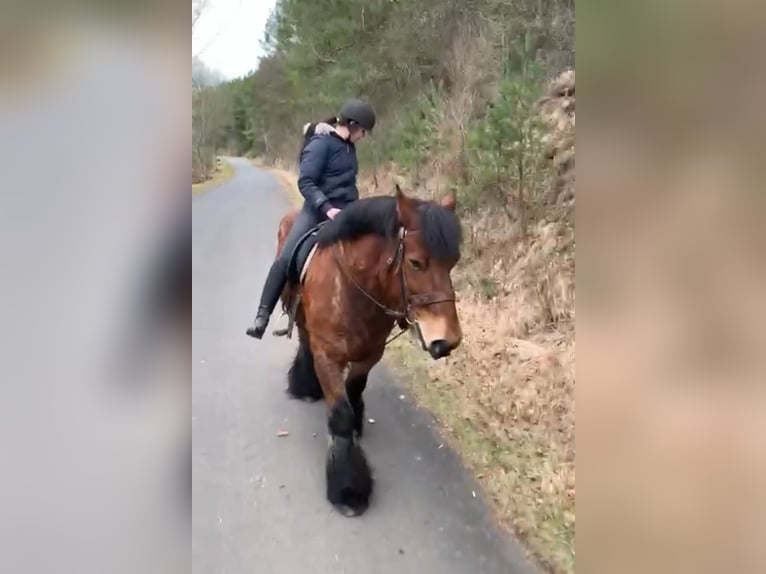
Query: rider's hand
pixel 332 213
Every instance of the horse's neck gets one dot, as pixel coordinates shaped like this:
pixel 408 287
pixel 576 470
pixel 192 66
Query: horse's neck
pixel 367 260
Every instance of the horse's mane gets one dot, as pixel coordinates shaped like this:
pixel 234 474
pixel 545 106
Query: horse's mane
pixel 440 227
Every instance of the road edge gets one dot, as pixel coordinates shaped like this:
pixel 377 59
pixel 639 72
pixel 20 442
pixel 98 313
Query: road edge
pixel 221 176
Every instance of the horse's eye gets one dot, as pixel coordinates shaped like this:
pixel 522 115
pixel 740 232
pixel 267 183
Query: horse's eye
pixel 417 265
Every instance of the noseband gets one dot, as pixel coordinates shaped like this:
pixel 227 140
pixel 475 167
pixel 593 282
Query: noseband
pixel 408 301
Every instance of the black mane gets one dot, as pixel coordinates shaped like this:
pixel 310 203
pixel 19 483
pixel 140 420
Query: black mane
pixel 440 227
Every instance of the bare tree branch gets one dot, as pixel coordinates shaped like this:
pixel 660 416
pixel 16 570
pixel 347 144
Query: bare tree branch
pixel 198 7
pixel 203 4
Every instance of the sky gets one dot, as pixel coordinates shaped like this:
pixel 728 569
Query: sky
pixel 228 35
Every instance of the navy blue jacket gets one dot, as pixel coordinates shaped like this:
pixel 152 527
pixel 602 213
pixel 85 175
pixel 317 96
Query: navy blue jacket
pixel 328 170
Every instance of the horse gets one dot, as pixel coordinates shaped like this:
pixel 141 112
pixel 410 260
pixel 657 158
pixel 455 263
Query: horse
pixel 382 261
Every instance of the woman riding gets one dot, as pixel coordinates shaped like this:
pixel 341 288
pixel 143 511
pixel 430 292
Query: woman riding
pixel 327 182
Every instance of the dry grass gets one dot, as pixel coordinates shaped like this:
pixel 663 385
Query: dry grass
pixel 223 173
pixel 505 399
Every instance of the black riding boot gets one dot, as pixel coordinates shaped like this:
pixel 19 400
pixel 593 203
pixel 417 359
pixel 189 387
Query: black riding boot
pixel 258 328
pixel 272 289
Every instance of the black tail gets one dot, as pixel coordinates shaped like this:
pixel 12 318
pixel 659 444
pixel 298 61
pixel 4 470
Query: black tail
pixel 302 382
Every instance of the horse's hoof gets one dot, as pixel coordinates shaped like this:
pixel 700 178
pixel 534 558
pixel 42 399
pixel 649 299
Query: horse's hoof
pixel 349 479
pixel 348 511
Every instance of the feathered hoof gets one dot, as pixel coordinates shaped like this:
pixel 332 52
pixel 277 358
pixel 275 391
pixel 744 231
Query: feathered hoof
pixel 349 479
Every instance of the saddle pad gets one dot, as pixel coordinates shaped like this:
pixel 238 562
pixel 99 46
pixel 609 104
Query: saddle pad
pixel 299 258
pixel 305 267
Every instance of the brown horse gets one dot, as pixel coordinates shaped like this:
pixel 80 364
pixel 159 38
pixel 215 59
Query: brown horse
pixel 381 261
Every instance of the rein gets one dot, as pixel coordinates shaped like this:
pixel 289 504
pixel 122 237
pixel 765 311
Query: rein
pixel 387 310
pixel 408 301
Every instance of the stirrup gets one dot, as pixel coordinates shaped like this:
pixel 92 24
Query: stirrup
pixel 284 330
pixel 290 311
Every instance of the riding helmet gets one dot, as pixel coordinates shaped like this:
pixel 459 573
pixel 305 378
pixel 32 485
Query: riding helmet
pixel 360 112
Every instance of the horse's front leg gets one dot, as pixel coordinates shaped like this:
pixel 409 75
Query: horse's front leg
pixel 356 383
pixel 349 480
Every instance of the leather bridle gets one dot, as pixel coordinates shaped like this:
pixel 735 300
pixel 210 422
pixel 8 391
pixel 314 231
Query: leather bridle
pixel 408 300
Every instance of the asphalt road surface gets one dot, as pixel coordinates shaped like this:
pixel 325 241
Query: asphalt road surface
pixel 259 499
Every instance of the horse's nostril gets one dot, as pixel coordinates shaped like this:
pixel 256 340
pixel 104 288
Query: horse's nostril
pixel 439 348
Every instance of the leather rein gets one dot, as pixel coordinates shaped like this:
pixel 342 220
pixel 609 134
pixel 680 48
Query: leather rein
pixel 408 300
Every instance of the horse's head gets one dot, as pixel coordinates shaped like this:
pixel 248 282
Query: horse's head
pixel 430 237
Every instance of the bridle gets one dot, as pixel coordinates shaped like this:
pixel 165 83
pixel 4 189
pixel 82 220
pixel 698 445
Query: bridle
pixel 409 301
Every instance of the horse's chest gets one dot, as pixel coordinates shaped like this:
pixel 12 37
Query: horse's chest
pixel 342 316
pixel 366 332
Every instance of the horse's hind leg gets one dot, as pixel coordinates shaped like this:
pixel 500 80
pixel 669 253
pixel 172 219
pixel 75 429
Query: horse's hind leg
pixel 302 381
pixel 349 480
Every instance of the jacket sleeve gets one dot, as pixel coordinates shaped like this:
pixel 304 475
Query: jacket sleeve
pixel 313 162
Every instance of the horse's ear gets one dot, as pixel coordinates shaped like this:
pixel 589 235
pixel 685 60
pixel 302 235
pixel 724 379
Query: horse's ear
pixel 449 202
pixel 403 207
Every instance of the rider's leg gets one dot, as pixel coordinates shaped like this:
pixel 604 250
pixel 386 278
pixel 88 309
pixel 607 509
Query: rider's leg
pixel 277 277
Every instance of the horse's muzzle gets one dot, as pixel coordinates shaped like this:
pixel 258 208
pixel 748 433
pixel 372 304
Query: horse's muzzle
pixel 439 349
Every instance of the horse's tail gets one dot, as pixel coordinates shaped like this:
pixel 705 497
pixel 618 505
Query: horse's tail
pixel 285 225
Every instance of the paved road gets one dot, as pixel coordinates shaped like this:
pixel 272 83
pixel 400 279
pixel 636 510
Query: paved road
pixel 259 505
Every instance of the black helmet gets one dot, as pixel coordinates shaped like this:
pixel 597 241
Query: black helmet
pixel 359 112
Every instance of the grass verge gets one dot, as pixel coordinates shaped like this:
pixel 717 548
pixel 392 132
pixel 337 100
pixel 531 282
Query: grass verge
pixel 512 466
pixel 222 174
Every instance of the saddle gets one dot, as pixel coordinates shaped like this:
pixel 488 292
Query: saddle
pixel 301 256
pixel 297 266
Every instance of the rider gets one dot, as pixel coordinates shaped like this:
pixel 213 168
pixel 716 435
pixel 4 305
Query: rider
pixel 327 182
